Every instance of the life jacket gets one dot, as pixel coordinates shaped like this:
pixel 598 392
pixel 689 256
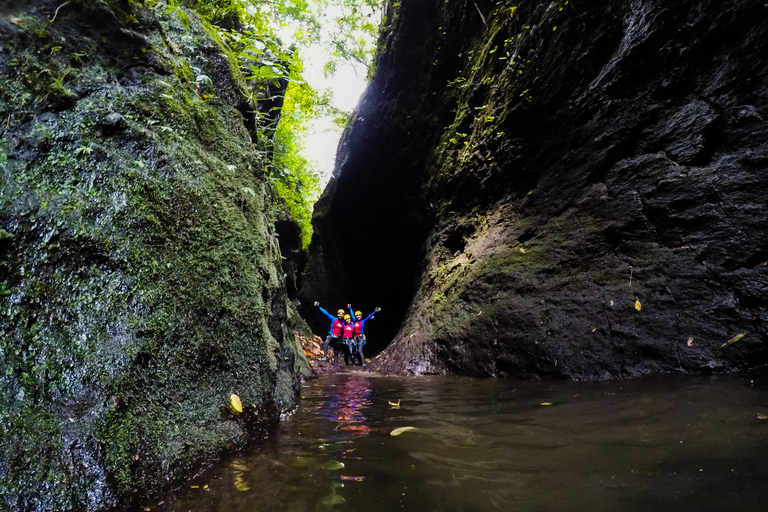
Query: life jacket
pixel 349 330
pixel 336 328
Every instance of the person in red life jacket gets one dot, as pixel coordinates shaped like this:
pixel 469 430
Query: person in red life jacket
pixel 359 328
pixel 348 340
pixel 333 340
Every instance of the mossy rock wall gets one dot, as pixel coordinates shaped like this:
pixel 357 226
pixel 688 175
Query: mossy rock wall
pixel 140 276
pixel 568 189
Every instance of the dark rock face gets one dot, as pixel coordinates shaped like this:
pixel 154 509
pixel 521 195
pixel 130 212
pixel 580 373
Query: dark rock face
pixel 561 189
pixel 140 274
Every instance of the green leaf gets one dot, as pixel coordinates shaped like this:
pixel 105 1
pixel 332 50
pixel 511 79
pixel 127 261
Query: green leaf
pixel 184 18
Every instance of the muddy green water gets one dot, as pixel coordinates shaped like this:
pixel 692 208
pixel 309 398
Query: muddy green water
pixel 688 443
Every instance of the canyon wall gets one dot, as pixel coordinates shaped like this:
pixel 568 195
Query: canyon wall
pixel 564 189
pixel 141 283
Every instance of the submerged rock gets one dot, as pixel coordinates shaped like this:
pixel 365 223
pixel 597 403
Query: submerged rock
pixel 140 275
pixel 523 173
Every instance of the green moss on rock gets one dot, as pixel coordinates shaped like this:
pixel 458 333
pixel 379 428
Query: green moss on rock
pixel 140 278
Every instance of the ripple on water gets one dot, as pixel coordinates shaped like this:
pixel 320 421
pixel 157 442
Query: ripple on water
pixel 674 443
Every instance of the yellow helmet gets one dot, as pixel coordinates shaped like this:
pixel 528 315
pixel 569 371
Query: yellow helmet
pixel 358 313
pixel 340 312
pixel 347 317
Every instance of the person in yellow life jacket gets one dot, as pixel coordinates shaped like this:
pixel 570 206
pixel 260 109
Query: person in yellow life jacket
pixel 359 328
pixel 333 340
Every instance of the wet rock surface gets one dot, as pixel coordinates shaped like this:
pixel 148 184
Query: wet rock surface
pixel 141 283
pixel 561 189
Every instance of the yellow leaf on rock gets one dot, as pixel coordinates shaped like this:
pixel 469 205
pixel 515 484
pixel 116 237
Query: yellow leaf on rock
pixel 547 403
pixel 235 404
pixel 690 341
pixel 733 340
pixel 400 430
pixel 638 305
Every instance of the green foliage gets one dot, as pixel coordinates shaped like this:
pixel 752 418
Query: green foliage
pixel 250 30
pixel 293 177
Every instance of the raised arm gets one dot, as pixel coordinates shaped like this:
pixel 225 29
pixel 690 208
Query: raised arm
pixel 376 310
pixel 324 311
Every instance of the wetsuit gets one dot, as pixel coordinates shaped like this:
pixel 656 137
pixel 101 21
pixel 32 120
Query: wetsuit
pixel 359 336
pixel 349 342
pixel 334 335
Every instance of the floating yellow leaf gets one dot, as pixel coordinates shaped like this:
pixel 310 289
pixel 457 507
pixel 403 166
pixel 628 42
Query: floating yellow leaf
pixel 690 341
pixel 400 430
pixel 761 416
pixel 733 340
pixel 547 403
pixel 638 305
pixel 235 404
pixel 396 405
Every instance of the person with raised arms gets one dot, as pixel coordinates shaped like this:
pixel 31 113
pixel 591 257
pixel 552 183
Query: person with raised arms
pixel 333 340
pixel 359 328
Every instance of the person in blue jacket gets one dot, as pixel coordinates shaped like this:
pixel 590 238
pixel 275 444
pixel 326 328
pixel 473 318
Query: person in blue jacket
pixel 359 328
pixel 334 335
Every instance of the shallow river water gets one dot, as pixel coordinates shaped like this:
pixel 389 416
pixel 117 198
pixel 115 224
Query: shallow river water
pixel 678 443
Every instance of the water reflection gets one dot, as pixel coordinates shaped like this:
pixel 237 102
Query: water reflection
pixel 347 405
pixel 683 443
pixel 239 468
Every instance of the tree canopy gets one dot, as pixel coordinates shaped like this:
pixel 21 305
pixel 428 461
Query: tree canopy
pixel 269 40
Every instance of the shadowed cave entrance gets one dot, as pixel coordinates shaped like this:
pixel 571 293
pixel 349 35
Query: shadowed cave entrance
pixel 367 247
